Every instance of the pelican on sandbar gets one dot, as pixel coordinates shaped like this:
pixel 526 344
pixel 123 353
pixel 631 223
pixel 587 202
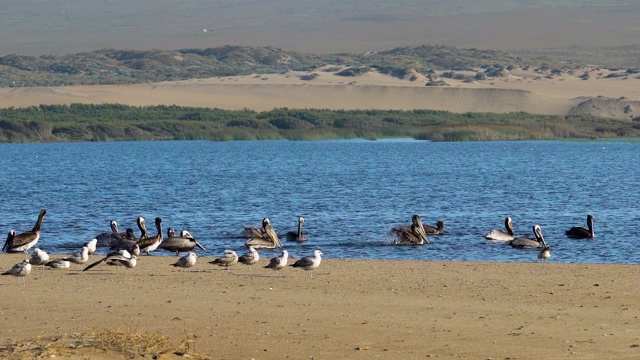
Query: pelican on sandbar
pixel 297 236
pixel 413 235
pixel 108 239
pixel 268 241
pixel 148 244
pixel 580 232
pixel 25 241
pixel 499 235
pixel 527 243
pixel 183 243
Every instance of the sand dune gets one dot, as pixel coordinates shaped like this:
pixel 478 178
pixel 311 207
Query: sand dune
pixel 520 91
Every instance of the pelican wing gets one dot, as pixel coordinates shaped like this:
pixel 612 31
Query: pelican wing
pixel 271 234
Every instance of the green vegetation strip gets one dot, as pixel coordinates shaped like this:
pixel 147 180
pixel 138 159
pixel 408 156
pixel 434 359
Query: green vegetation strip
pixel 113 122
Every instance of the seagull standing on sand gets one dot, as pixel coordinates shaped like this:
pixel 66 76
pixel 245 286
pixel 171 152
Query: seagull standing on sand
pixel 59 264
pixel 229 258
pixel 25 241
pixel 39 257
pixel 187 261
pixel 278 262
pixel 92 246
pixel 310 262
pixel 79 258
pixel 249 258
pixel 20 270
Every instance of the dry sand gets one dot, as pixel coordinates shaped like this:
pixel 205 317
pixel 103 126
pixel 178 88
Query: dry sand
pixel 350 309
pixel 522 90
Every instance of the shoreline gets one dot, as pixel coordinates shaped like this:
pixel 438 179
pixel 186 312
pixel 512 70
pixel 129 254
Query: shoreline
pixel 348 309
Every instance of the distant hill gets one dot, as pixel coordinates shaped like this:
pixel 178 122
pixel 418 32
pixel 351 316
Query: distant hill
pixel 114 66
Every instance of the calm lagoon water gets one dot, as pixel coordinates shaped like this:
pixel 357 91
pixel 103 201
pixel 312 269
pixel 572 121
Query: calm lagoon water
pixel 351 194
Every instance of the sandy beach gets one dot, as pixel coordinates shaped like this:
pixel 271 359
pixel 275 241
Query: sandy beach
pixel 349 309
pixel 528 91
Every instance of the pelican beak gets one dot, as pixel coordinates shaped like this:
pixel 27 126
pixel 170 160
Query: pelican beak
pixel 424 235
pixel 200 246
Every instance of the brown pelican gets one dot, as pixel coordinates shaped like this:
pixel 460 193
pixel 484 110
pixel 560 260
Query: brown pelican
pixel 183 243
pixel 580 232
pixel 39 257
pixel 148 244
pixel 437 230
pixel 59 264
pixel 310 262
pixel 297 235
pixel 428 229
pixel 79 258
pixel 500 235
pixel 25 241
pixel 252 231
pixel 526 243
pixel 127 242
pixel 20 270
pixel 109 238
pixel 268 241
pixel 278 262
pixel 545 253
pixel 229 258
pixel 413 235
pixel 187 261
pixel 249 258
pixel 120 258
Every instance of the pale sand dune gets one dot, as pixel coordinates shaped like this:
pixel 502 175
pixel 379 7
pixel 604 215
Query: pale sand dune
pixel 350 309
pixel 521 91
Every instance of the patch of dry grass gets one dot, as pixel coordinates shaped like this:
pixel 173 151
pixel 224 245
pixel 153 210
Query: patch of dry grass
pixel 108 343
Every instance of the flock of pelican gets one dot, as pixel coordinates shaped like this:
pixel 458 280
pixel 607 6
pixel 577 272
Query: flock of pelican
pixel 125 247
pixel 416 234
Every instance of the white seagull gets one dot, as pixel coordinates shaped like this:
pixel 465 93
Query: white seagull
pixel 249 258
pixel 545 253
pixel 310 262
pixel 59 264
pixel 187 261
pixel 79 258
pixel 20 270
pixel 92 246
pixel 278 262
pixel 39 257
pixel 229 258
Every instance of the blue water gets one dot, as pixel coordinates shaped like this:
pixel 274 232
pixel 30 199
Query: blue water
pixel 350 193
